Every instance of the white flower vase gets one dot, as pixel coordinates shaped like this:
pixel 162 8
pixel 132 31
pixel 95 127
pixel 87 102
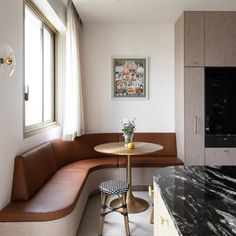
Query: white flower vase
pixel 128 138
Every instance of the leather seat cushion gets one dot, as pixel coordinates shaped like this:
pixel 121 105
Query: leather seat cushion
pixel 99 163
pixel 56 199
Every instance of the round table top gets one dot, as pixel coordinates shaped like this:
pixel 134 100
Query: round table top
pixel 118 148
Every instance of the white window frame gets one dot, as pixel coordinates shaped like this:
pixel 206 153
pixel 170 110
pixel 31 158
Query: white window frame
pixel 35 128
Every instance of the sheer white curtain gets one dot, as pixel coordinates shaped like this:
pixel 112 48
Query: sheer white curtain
pixel 73 121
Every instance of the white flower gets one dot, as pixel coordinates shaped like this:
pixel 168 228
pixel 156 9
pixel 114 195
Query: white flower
pixel 128 125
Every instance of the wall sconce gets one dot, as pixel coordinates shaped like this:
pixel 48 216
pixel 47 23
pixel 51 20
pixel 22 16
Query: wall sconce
pixel 7 61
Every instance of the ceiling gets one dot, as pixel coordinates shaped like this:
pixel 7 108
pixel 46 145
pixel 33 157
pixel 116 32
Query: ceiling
pixel 144 11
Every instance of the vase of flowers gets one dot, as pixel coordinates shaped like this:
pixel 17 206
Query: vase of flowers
pixel 128 127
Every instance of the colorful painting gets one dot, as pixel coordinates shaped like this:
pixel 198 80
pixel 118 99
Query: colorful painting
pixel 130 77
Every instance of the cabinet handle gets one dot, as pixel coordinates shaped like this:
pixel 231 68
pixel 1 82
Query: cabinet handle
pixel 163 220
pixel 195 124
pixel 150 191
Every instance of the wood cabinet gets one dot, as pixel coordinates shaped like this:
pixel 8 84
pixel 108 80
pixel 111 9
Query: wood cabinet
pixel 232 156
pixel 217 156
pixel 193 38
pixel 163 223
pixel 189 90
pixel 201 39
pixel 220 156
pixel 208 38
pixel 194 115
pixel 220 35
pixel 189 37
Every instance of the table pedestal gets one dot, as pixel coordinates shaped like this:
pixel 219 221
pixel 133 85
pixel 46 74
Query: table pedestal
pixel 134 204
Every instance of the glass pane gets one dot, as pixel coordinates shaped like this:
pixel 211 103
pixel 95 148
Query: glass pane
pixel 48 76
pixel 33 68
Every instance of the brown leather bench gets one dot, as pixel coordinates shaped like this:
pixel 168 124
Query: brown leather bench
pixel 49 179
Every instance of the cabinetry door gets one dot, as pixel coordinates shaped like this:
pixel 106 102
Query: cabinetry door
pixel 163 223
pixel 220 35
pixel 194 115
pixel 233 156
pixel 217 156
pixel 194 38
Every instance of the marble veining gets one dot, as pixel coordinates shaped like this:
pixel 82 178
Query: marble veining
pixel 200 199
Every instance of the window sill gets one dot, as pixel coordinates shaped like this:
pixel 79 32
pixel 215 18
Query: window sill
pixel 37 130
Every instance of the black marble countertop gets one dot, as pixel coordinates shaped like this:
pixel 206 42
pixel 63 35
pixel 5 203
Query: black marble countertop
pixel 200 199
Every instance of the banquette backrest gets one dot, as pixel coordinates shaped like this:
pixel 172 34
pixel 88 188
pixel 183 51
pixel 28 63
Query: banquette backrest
pixel 81 148
pixel 32 170
pixel 167 140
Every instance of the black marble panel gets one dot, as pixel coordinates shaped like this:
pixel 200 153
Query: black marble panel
pixel 201 200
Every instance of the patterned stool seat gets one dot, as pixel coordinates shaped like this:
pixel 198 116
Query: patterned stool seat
pixel 113 187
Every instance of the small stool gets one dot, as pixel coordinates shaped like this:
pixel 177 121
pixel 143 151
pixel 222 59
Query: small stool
pixel 112 187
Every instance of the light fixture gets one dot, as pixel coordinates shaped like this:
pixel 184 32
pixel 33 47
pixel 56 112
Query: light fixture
pixel 7 61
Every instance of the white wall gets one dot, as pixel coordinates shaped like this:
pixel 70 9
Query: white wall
pixel 11 100
pixel 101 42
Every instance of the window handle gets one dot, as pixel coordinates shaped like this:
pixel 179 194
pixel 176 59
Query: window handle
pixel 26 93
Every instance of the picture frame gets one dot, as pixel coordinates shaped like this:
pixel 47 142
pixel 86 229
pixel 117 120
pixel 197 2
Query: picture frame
pixel 129 77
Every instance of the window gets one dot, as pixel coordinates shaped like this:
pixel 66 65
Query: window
pixel 39 84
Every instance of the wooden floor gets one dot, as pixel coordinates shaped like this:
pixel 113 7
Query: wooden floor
pixel 114 224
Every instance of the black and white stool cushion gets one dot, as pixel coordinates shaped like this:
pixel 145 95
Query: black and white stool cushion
pixel 113 187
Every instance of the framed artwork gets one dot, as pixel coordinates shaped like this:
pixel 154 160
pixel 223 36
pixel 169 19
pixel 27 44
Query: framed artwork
pixel 130 77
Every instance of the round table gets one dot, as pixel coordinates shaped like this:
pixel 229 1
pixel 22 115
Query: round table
pixel 134 204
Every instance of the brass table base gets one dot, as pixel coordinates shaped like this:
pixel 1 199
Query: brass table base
pixel 134 204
